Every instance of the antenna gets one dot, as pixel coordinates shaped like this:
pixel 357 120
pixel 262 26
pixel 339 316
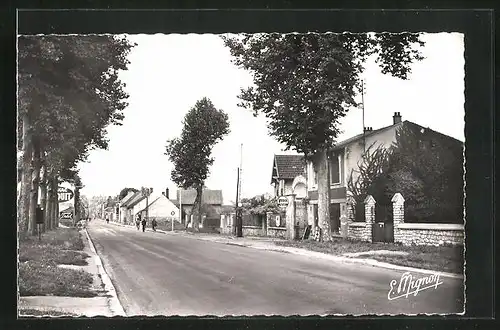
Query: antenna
pixel 241 169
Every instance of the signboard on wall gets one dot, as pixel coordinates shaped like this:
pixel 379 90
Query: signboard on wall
pixel 65 194
pixel 283 202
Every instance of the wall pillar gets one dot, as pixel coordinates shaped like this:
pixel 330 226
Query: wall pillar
pixel 290 217
pixel 350 207
pixel 398 211
pixel 369 217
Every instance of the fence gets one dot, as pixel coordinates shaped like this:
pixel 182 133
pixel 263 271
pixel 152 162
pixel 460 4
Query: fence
pixel 394 227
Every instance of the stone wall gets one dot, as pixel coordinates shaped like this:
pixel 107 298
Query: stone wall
pixel 404 233
pixel 429 234
pixel 277 232
pixel 253 231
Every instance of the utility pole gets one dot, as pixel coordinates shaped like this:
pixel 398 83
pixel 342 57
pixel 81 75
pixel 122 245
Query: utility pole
pixel 363 109
pixel 180 207
pixel 236 217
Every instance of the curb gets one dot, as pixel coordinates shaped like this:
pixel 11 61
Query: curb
pixel 114 303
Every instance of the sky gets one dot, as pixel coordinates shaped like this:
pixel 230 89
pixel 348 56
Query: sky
pixel 169 73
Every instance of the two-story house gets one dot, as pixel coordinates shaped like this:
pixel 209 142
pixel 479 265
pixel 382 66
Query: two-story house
pixel 344 157
pixel 288 176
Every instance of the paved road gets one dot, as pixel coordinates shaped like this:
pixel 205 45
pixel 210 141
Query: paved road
pixel 169 274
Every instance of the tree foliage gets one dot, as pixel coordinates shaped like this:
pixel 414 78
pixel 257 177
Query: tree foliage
pixel 69 92
pixel 260 205
pixel 305 83
pixel 203 127
pixel 125 191
pixel 427 169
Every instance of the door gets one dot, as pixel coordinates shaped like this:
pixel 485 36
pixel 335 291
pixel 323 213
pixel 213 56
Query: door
pixel 335 217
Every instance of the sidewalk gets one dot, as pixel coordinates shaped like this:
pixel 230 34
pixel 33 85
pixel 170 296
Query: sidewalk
pixel 104 304
pixel 267 243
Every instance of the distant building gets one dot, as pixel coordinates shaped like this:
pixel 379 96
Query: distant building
pixel 211 203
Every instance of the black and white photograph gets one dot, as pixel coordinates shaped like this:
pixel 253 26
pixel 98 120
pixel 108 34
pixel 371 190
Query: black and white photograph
pixel 234 174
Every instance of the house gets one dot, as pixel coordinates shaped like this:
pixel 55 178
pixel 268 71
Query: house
pixel 345 156
pixel 122 216
pixel 211 203
pixel 161 208
pixel 288 176
pixel 132 206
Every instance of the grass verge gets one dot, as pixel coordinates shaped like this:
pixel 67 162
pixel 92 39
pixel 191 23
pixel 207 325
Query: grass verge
pixel 438 258
pixel 38 271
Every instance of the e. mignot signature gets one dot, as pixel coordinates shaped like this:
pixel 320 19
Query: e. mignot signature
pixel 407 285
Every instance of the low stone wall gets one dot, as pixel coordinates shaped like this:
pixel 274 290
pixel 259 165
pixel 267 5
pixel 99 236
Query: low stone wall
pixel 359 231
pixel 429 234
pixel 253 231
pixel 227 230
pixel 276 232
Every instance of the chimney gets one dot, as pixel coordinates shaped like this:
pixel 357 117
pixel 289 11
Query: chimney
pixel 396 119
pixel 166 193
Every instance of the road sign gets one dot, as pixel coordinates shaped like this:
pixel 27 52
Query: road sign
pixel 283 202
pixel 64 194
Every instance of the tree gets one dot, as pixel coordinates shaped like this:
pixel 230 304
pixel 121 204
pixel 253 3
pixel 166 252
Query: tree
pixel 69 92
pixel 203 127
pixel 426 167
pixel 305 83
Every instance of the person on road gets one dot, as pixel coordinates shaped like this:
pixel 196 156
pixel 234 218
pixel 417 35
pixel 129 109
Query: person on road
pixel 143 225
pixel 154 224
pixel 107 218
pixel 138 221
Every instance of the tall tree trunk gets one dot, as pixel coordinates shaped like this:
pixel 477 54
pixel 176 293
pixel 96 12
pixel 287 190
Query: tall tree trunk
pixel 43 195
pixel 56 203
pixel 48 203
pixel 35 185
pixel 77 205
pixel 26 174
pixel 197 208
pixel 323 195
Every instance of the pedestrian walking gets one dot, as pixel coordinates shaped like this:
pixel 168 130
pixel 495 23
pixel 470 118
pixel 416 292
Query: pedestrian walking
pixel 107 218
pixel 138 221
pixel 154 224
pixel 143 225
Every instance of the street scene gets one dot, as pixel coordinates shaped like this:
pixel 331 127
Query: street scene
pixel 241 175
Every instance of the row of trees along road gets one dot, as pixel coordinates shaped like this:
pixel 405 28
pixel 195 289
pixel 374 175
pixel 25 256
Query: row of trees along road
pixel 203 127
pixel 68 93
pixel 305 83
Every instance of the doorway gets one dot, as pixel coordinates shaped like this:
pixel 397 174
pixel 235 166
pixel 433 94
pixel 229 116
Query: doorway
pixel 335 217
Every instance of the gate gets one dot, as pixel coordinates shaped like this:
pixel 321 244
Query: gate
pixel 383 228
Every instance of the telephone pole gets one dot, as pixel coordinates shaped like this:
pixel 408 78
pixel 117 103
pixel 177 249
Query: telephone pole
pixel 363 109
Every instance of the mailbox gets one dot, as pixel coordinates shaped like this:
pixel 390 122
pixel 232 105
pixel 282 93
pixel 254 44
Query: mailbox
pixel 39 215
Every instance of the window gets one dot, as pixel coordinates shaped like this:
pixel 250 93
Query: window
pixel 311 172
pixel 335 170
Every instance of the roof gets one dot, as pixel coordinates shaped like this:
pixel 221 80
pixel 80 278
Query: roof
pixel 136 198
pixel 211 197
pixel 127 197
pixel 288 166
pixel 358 137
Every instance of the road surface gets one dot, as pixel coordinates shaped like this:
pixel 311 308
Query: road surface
pixel 171 274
